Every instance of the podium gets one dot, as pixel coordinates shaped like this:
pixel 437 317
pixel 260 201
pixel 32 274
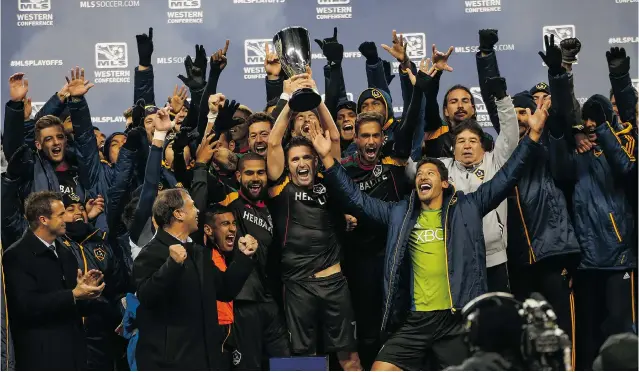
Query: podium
pixel 299 364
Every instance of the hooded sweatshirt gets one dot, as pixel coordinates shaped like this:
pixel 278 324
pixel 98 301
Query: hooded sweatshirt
pixel 469 180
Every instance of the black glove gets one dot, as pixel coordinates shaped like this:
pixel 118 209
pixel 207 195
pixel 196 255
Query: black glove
pixel 553 57
pixel 201 60
pixel 137 114
pixel 569 49
pixel 369 51
pixel 21 164
pixel 194 79
pixel 618 62
pixel 182 139
pixel 331 48
pixel 388 72
pixel 224 120
pixel 487 40
pixel 496 86
pixel 145 47
pixel 594 111
pixel 423 81
pixel 134 138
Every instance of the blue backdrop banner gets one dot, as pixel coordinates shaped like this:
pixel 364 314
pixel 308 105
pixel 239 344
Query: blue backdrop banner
pixel 46 38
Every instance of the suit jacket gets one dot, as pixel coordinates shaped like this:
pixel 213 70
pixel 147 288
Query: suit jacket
pixel 177 316
pixel 45 321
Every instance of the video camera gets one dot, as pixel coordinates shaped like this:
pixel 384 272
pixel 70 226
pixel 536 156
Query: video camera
pixel 524 334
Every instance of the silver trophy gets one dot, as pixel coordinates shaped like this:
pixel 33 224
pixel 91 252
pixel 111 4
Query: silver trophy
pixel 293 48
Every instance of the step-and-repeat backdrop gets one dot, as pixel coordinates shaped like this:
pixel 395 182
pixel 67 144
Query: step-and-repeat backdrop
pixel 45 38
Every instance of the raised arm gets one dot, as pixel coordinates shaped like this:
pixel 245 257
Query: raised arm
pixel 487 68
pixel 328 124
pixel 509 135
pixel 490 194
pixel 144 79
pixel 13 136
pixel 274 80
pixel 334 77
pixel 375 74
pixel 342 188
pixel 623 159
pixel 623 91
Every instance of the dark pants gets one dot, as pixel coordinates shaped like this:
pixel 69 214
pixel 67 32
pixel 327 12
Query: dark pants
pixel 605 305
pixel 550 279
pixel 498 278
pixel 259 333
pixel 366 282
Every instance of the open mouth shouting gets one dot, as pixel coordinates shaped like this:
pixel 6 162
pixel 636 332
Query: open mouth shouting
pixel 425 187
pixel 56 152
pixel 370 152
pixel 304 175
pixel 348 128
pixel 255 188
pixel 260 148
pixel 306 128
pixel 229 240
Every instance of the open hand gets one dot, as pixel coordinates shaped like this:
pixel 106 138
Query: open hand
pixel 440 60
pixel 18 87
pixel 77 86
pixel 94 207
pixel 177 99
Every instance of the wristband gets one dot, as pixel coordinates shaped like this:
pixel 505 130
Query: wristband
pixel 211 116
pixel 160 135
pixel 285 96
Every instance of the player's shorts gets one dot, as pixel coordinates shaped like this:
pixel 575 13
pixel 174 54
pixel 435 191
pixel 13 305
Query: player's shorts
pixel 319 307
pixel 426 338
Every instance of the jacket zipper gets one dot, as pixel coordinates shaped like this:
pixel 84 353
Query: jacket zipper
pixel 614 226
pixel 390 284
pixel 450 295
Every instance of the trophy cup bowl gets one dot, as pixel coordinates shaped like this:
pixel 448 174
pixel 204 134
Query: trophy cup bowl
pixel 293 48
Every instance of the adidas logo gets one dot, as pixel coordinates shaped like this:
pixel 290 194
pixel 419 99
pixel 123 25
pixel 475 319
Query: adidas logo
pixel 626 276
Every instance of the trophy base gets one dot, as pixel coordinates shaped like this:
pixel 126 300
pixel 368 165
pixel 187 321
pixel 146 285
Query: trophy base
pixel 304 99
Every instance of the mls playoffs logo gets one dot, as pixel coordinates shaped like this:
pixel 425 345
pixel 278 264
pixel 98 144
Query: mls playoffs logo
pixel 415 45
pixel 111 55
pixel 483 119
pixel 34 5
pixel 254 51
pixel 35 108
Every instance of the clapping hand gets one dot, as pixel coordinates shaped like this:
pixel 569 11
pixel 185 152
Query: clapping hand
pixel 89 285
pixel 94 207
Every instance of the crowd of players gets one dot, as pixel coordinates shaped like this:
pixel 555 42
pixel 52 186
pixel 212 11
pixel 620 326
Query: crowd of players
pixel 209 235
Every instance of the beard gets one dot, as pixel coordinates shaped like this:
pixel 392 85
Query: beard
pixel 78 230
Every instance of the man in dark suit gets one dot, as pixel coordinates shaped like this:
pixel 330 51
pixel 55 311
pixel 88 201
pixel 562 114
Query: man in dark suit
pixel 178 286
pixel 46 291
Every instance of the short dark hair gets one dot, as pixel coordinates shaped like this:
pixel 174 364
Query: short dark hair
pixel 469 124
pixel 166 203
pixel 47 121
pixel 298 141
pixel 209 215
pixel 39 204
pixel 248 157
pixel 129 212
pixel 457 87
pixel 443 171
pixel 260 117
pixel 366 117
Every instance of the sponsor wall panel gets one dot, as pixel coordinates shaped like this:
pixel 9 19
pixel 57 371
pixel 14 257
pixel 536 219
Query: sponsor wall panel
pixel 45 38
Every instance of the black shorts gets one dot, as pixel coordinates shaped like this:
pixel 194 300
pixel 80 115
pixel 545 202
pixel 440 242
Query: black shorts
pixel 319 307
pixel 432 338
pixel 259 333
